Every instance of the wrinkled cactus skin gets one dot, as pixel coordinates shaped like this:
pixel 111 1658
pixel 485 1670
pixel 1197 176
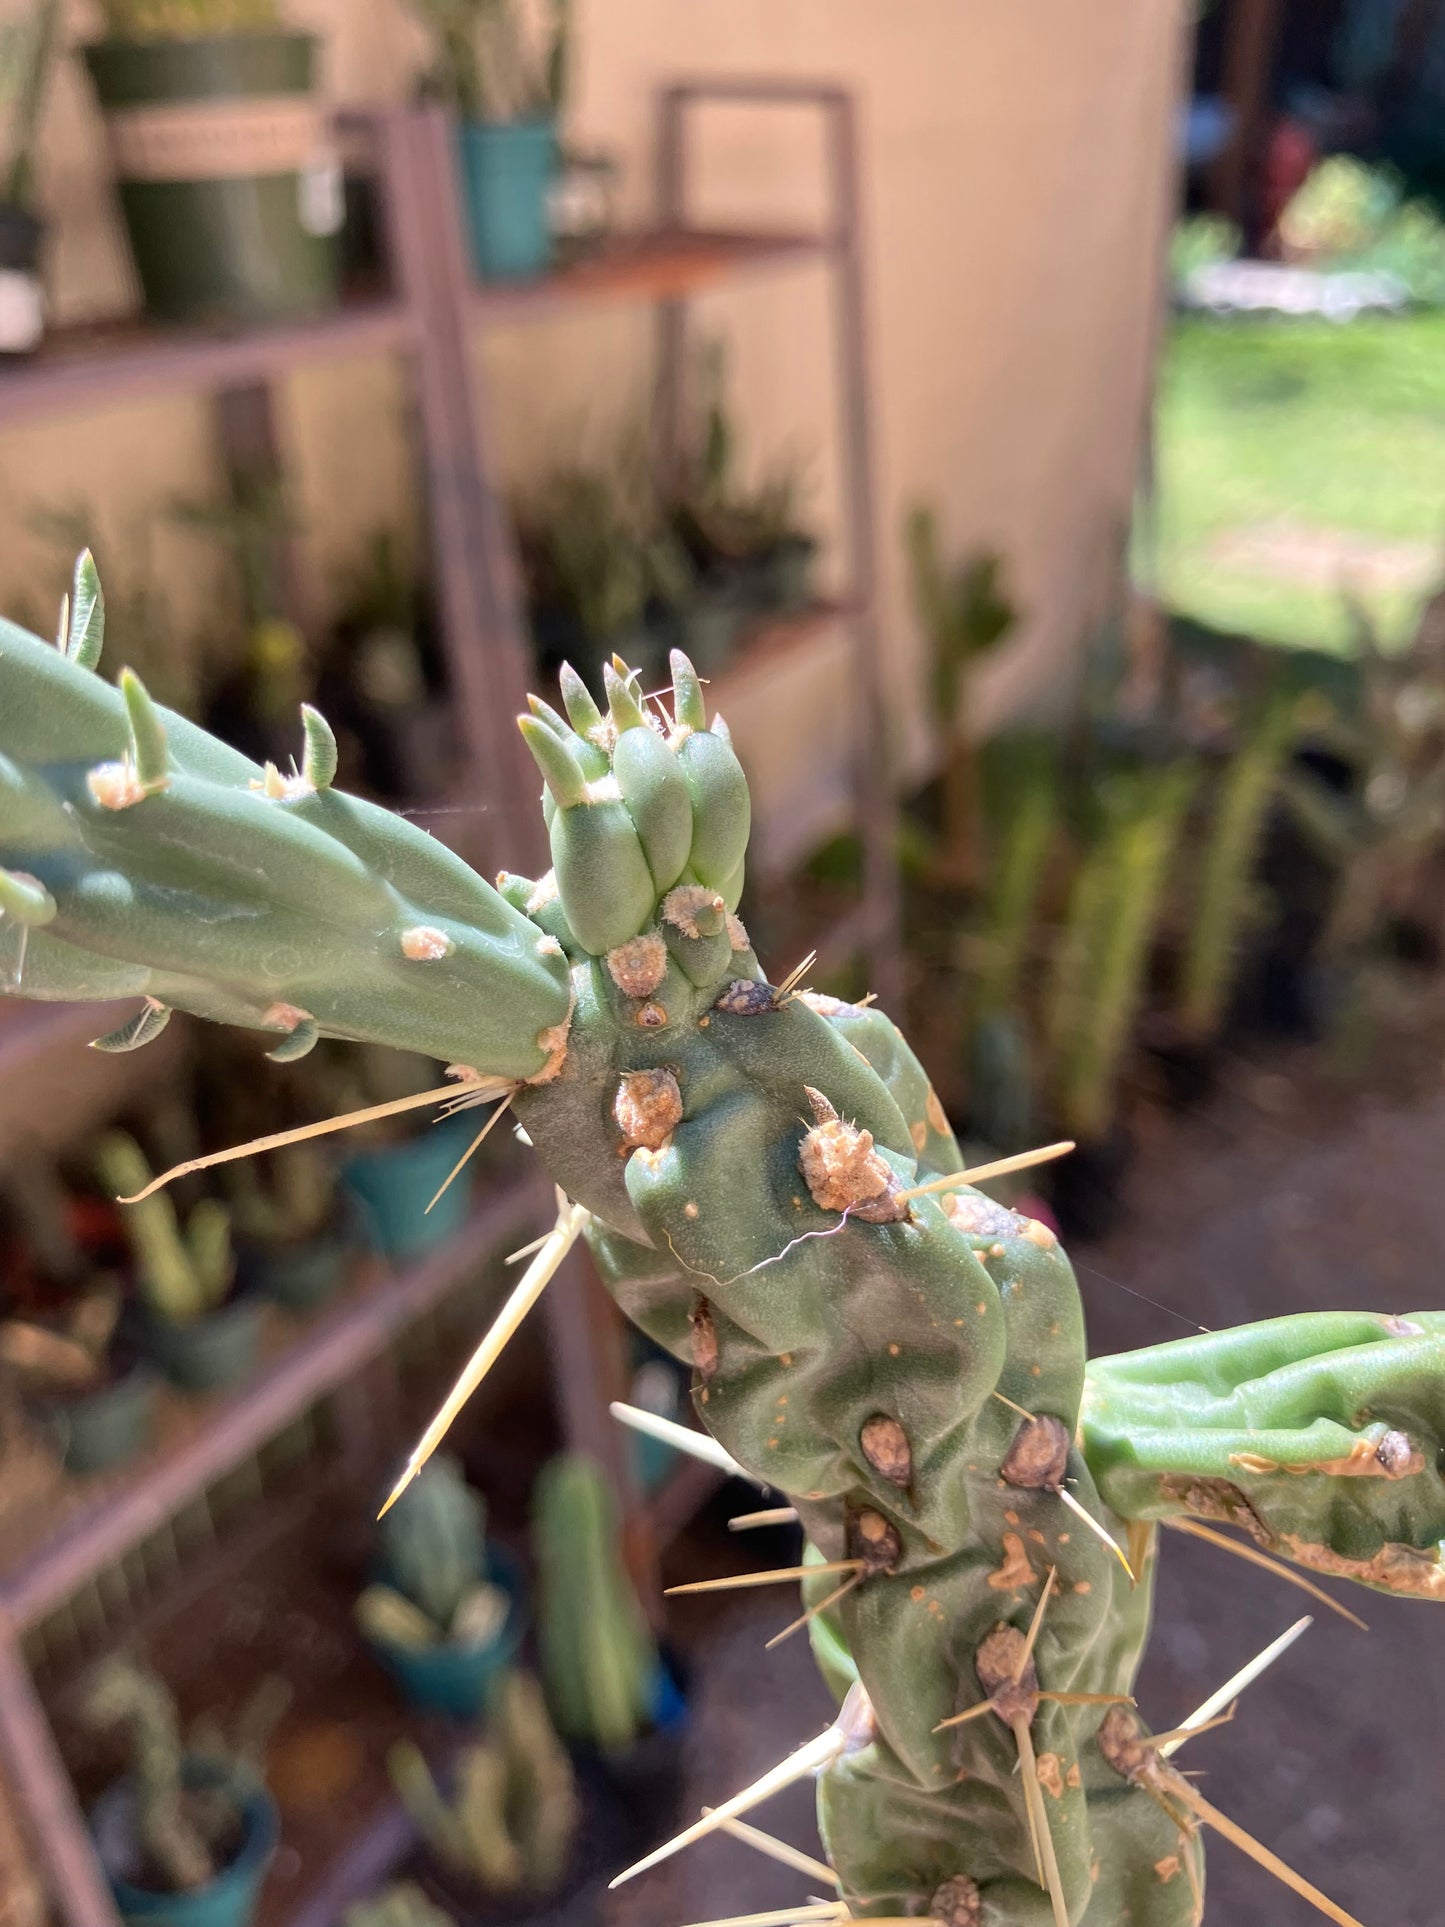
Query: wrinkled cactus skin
pixel 909 1369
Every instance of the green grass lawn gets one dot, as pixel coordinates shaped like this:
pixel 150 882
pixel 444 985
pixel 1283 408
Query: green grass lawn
pixel 1293 455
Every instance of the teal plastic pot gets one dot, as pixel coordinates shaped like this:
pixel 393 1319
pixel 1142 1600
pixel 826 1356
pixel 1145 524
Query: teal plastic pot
pixel 227 1901
pixel 456 1680
pixel 231 194
pixel 207 1353
pixel 394 1184
pixel 109 1425
pixel 507 173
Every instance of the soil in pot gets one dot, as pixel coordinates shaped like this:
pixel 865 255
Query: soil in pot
pixel 229 1900
pixel 22 302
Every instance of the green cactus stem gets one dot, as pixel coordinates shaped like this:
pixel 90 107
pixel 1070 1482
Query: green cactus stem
pixel 1223 896
pixel 182 1274
pixel 403 1904
pixel 599 1660
pixel 1099 970
pixel 756 1165
pixel 170 1832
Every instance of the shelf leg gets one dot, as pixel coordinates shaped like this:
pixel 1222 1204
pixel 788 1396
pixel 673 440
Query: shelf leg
pixel 873 710
pixel 34 1768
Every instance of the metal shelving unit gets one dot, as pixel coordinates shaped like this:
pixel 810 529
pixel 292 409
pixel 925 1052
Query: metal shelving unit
pixel 428 316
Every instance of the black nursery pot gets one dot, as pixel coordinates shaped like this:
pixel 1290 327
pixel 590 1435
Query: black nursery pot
pixel 22 305
pixel 578 1898
pixel 647 1777
pixel 1087 1190
pixel 1188 1067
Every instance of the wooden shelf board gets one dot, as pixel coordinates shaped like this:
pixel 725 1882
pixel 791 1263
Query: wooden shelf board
pixel 663 265
pixel 88 367
pixel 95 1522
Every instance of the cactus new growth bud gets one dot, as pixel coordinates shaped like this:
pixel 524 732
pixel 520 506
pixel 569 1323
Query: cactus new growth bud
pixel 771 1190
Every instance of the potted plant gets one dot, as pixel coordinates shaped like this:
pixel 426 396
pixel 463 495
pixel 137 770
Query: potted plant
pixel 398 1174
pixel 186 1837
pixel 507 99
pixel 447 1609
pixel 510 1836
pixel 1098 971
pixel 201 1330
pixel 751 553
pixel 229 187
pixel 613 1697
pixel 86 1380
pixel 73 1356
pixel 383 684
pixel 294 1232
pixel 28 47
pixel 603 574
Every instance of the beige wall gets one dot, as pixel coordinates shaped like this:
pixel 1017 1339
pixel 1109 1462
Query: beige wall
pixel 1016 178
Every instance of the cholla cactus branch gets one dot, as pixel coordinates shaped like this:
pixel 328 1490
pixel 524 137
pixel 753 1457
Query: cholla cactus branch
pixel 755 1175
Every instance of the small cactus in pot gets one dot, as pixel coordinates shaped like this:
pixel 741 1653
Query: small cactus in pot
pixel 503 1822
pixel 193 1819
pixel 201 1331
pixel 447 1609
pixel 770 1189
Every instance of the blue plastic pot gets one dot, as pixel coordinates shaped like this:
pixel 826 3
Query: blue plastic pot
pixel 507 171
pixel 228 1901
pixel 456 1680
pixel 394 1184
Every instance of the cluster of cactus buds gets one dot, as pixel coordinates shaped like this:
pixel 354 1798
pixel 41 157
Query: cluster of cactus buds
pixel 771 1190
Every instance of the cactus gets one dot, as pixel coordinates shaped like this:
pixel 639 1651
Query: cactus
pixel 964 617
pixel 434 1546
pixel 185 1825
pixel 770 1189
pixel 508 1823
pixel 182 1274
pixel 599 1660
pixel 1099 969
pixel 296 1205
pixel 403 1904
pixel 1222 898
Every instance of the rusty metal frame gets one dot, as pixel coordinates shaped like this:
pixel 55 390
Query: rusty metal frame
pixel 879 926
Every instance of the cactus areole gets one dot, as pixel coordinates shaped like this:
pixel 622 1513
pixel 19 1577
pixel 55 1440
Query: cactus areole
pixel 907 1367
